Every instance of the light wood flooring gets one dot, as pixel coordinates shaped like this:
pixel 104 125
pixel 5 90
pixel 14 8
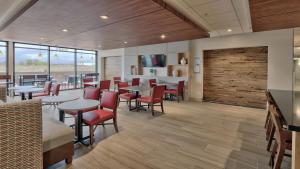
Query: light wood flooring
pixel 190 135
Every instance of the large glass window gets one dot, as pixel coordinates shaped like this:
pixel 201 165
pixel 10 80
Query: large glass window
pixel 3 58
pixel 30 60
pixel 62 67
pixel 86 62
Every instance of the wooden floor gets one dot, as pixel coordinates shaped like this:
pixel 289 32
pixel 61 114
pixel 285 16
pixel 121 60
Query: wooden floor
pixel 190 135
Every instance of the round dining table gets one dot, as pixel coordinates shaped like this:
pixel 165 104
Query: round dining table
pixel 28 90
pixel 77 106
pixel 56 100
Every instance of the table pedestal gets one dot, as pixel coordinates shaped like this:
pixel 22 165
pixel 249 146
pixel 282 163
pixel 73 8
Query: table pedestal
pixel 296 150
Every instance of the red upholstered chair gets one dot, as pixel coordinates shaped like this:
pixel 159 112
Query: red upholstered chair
pixel 177 92
pixel 120 86
pixel 87 80
pixel 116 81
pixel 156 97
pixel 46 91
pixel 55 89
pixel 135 82
pixel 124 94
pixel 152 83
pixel 107 111
pixel 104 85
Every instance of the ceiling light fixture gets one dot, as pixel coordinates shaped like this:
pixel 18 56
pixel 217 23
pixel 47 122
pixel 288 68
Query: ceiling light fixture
pixel 65 30
pixel 42 38
pixel 125 42
pixel 163 36
pixel 104 17
pixel 229 30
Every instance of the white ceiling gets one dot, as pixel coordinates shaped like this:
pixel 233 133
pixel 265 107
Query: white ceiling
pixel 217 16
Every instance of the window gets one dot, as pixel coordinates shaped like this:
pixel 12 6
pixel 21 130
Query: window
pixel 3 57
pixel 62 67
pixel 86 62
pixel 30 60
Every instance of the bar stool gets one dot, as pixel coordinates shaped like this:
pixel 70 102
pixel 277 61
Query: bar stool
pixel 283 139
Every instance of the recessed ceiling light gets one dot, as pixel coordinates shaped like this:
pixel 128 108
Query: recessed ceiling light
pixel 104 17
pixel 99 46
pixel 42 38
pixel 163 36
pixel 229 30
pixel 125 42
pixel 65 30
pixel 298 47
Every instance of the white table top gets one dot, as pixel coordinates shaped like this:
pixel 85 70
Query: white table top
pixel 29 90
pixel 92 83
pixel 136 88
pixel 59 99
pixel 78 105
pixel 166 84
pixel 20 87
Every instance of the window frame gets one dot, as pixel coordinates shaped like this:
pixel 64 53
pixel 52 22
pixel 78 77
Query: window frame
pixel 49 57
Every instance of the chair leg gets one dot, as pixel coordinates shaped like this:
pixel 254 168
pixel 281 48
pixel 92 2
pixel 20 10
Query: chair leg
pixel 267 119
pixel 162 106
pixel 69 159
pixel 177 98
pixel 273 153
pixel 129 104
pixel 182 96
pixel 279 156
pixel 152 109
pixel 91 135
pixel 115 124
pixel 271 138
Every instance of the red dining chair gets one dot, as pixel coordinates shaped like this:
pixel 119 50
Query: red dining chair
pixel 177 92
pixel 55 89
pixel 86 80
pixel 152 83
pixel 104 85
pixel 124 94
pixel 107 111
pixel 135 82
pixel 46 91
pixel 116 81
pixel 156 97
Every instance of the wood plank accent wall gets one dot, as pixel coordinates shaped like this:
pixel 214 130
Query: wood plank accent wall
pixel 112 67
pixel 236 76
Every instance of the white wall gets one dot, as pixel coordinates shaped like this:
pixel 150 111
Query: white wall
pixel 280 56
pixel 170 49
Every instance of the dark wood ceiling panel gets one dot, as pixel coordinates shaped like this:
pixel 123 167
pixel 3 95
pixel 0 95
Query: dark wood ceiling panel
pixel 274 14
pixel 139 22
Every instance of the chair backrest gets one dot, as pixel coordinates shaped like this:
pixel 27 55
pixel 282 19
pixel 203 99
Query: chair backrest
pixel 135 82
pixel 21 145
pixel 152 82
pixel 269 97
pixel 109 100
pixel 180 86
pixel 91 93
pixel 87 79
pixel 158 92
pixel 47 87
pixel 277 121
pixel 117 80
pixel 104 85
pixel 120 85
pixel 55 89
pixel 3 93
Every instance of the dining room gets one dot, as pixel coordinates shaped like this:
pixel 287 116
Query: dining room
pixel 149 84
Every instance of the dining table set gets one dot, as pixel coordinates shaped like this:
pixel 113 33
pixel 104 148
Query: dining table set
pixel 25 90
